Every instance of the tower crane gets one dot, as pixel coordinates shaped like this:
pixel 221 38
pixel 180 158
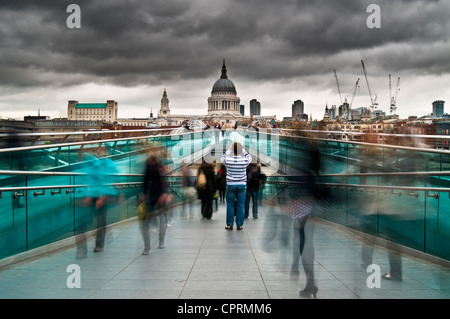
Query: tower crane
pixel 339 88
pixel 390 92
pixel 354 92
pixel 372 100
pixel 393 99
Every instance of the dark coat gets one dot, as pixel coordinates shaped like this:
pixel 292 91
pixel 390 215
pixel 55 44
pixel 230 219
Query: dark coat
pixel 208 192
pixel 221 179
pixel 253 184
pixel 153 183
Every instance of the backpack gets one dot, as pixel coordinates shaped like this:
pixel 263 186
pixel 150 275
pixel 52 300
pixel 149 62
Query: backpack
pixel 254 174
pixel 201 181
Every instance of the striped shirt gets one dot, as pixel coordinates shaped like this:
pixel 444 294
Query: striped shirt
pixel 236 167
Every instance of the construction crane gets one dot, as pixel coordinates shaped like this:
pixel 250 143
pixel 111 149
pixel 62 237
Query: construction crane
pixel 372 100
pixel 354 92
pixel 339 88
pixel 393 99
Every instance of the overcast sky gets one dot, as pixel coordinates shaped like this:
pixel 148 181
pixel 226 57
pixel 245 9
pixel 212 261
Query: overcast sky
pixel 276 51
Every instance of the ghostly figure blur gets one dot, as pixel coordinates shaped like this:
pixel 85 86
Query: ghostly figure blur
pixel 99 172
pixel 302 204
pixel 156 199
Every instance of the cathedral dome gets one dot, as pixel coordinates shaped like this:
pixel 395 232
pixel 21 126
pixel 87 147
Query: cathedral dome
pixel 224 85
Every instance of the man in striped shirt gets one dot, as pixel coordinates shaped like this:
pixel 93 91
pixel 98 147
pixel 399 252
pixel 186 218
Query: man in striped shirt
pixel 236 159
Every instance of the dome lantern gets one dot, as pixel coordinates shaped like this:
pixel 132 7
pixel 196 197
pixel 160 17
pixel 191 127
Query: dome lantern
pixel 224 84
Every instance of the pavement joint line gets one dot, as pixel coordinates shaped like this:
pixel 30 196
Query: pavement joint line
pixel 256 261
pixel 118 273
pixel 195 260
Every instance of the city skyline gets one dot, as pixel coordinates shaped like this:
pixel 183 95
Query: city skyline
pixel 276 52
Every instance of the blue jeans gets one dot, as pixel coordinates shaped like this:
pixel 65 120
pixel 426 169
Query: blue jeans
pixel 254 196
pixel 235 195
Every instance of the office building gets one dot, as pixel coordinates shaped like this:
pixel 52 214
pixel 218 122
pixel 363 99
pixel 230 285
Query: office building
pixel 298 108
pixel 438 108
pixel 255 107
pixel 106 112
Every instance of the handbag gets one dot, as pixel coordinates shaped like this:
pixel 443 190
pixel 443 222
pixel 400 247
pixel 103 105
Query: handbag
pixel 189 192
pixel 201 182
pixel 300 208
pixel 141 211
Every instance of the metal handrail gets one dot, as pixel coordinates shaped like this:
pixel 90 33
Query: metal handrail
pixel 363 133
pixel 415 173
pixel 400 147
pixel 345 185
pixel 40 173
pixel 352 186
pixel 44 146
pixel 85 132
pixel 382 174
pixel 68 187
pixel 24 148
pixel 261 130
pixel 16 190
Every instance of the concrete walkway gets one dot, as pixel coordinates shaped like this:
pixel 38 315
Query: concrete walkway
pixel 202 260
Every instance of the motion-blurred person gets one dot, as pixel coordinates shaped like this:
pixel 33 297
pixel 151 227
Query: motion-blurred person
pixel 11 139
pixel 100 171
pixel 300 208
pixel 188 191
pixel 262 183
pixel 206 188
pixel 156 201
pixel 253 183
pixel 401 215
pixel 386 217
pixel 236 159
pixel 217 129
pixel 276 223
pixel 221 182
pixel 370 162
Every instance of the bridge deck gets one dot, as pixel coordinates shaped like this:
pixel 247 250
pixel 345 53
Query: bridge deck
pixel 202 260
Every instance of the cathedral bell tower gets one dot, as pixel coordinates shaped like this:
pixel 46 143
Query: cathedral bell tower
pixel 164 111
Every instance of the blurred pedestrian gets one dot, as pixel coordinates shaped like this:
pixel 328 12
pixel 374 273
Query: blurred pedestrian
pixel 401 216
pixel 188 191
pixel 156 201
pixel 221 181
pixel 387 216
pixel 253 182
pixel 302 205
pixel 99 172
pixel 262 183
pixel 206 188
pixel 217 134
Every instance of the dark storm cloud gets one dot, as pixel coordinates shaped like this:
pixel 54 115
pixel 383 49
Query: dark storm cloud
pixel 141 42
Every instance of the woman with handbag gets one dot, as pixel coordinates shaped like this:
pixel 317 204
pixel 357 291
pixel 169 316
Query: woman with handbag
pixel 156 200
pixel 302 204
